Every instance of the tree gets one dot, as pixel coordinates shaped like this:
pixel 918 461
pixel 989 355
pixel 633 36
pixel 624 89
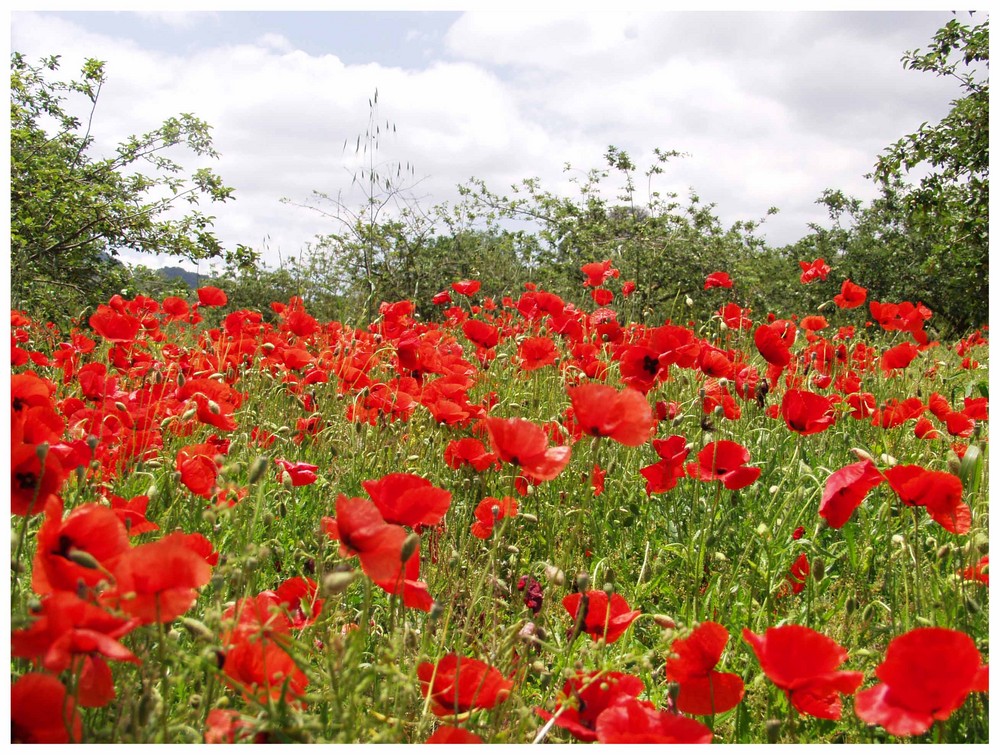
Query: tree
pixel 949 208
pixel 72 213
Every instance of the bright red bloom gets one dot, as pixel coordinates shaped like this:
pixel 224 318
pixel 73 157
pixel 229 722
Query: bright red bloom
pixel 486 517
pixel 939 492
pixel 926 676
pixel 480 333
pixel 845 489
pixel 795 581
pixel 898 357
pixel 803 663
pixel 198 468
pixel 408 499
pixel 813 270
pixel 602 297
pixel 806 412
pixel 298 472
pixel 774 340
pixel 597 476
pixel 33 483
pixel 598 272
pixel 601 411
pixel 663 475
pixel 813 323
pixel 42 713
pixel 299 597
pixel 453 735
pixel 980 572
pixel 113 326
pixel 588 694
pixel 456 684
pixel 363 532
pixel 634 721
pixel 159 581
pixel 628 288
pixel 537 352
pixel 735 317
pixel 724 460
pixel 79 548
pixel 441 297
pixel 604 617
pixel 525 444
pixel 469 451
pixel 466 287
pixel 703 691
pixel 850 296
pixel 260 670
pixel 210 296
pixel 718 280
pixel 226 726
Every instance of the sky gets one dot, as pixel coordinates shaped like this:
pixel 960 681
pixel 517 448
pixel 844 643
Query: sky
pixel 769 108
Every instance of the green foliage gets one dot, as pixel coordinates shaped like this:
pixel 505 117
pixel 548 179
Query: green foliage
pixel 72 212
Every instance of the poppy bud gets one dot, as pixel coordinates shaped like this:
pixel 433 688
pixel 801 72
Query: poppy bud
pixel 437 611
pixel 818 569
pixel 82 558
pixel 120 406
pixel 863 455
pixel 337 582
pixel 851 605
pixel 773 730
pixel 664 621
pixel 92 441
pixel 555 575
pixel 944 551
pixel 257 469
pixel 180 380
pixel 42 451
pixel 513 549
pixel 196 628
pixel 581 582
pixel 689 301
pixel 213 407
pixel 530 518
pixel 189 414
pixel 410 546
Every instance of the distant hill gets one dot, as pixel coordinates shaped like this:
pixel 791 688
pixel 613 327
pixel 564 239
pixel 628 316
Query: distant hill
pixel 192 279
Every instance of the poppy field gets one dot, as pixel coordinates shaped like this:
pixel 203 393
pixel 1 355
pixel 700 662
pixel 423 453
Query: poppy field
pixel 520 521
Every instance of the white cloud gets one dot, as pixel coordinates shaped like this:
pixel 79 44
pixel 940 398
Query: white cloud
pixel 772 108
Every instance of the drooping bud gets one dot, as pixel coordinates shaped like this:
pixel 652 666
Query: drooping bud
pixel 410 546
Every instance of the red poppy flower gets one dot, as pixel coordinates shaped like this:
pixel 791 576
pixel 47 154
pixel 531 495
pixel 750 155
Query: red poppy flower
pixel 525 444
pixel 939 492
pixel 78 549
pixel 466 287
pixel 537 352
pixel 597 476
pixel 898 357
pixel 638 722
pixel 602 411
pixel 628 288
pixel 42 713
pixel 813 323
pixel 469 451
pixel 480 333
pixel 851 295
pixel 806 412
pixel 159 581
pixel 210 296
pixel 926 676
pixel 845 489
pixel 298 472
pixel 260 670
pixel 116 327
pixel 588 694
pixel 363 532
pixel 663 475
pixel 299 597
pixel 226 726
pixel 489 512
pixel 813 270
pixel 441 297
pixel 456 684
pixel 980 572
pixel 602 297
pixel 33 483
pixel 803 663
pixel 795 581
pixel 774 340
pixel 718 280
pixel 702 690
pixel 724 460
pixel 453 735
pixel 925 430
pixel 604 617
pixel 408 499
pixel 598 272
pixel 198 468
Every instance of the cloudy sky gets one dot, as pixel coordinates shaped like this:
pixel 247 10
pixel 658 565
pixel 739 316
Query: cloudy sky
pixel 771 108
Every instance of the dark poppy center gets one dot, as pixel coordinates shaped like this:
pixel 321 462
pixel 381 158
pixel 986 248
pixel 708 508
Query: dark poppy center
pixel 650 365
pixel 17 404
pixel 26 480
